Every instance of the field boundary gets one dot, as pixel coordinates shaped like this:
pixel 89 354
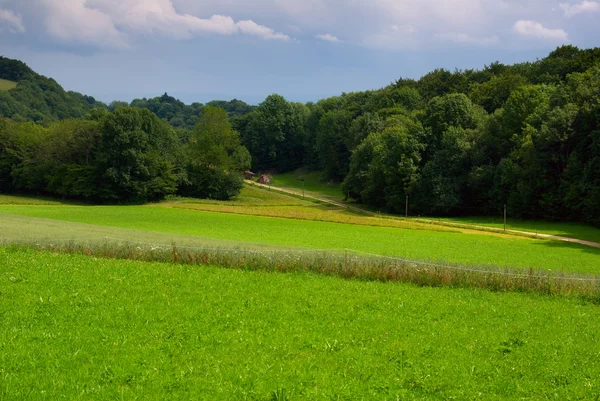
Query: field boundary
pixel 500 230
pixel 344 263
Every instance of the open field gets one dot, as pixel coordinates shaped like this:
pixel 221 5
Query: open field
pixel 571 230
pixel 76 327
pixel 7 85
pixel 319 190
pixel 314 185
pixel 453 247
pixel 260 202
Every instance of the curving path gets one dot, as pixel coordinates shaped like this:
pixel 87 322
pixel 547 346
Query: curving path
pixel 475 227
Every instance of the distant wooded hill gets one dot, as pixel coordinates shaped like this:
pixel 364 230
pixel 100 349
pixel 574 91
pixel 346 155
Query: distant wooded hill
pixel 28 96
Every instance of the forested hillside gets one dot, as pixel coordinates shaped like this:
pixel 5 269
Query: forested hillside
pixel 462 142
pixel 37 98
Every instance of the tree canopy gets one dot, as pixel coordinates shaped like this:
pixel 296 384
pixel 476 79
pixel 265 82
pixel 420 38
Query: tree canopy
pixel 456 142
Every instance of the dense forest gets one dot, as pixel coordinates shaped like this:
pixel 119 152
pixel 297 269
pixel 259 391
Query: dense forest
pixel 462 142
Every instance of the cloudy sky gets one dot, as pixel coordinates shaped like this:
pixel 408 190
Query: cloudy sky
pixel 200 50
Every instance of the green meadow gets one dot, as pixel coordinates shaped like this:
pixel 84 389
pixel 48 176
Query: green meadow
pixel 77 327
pixel 312 182
pixel 571 230
pixel 454 247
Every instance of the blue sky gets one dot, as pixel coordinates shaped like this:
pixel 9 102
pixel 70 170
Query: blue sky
pixel 199 50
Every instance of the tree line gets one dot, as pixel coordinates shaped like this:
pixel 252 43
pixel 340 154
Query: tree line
pixel 462 142
pixel 128 155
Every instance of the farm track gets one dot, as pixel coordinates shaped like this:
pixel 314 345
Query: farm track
pixel 449 224
pixel 324 200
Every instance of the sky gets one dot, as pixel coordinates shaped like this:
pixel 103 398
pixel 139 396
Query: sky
pixel 305 50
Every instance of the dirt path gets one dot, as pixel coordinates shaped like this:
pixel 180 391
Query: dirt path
pixel 450 224
pixel 528 233
pixel 324 200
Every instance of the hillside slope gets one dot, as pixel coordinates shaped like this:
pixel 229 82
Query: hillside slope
pixel 37 98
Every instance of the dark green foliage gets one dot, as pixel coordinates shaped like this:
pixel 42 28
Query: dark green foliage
pixel 537 152
pixel 180 115
pixel 333 145
pixel 234 108
pixel 444 177
pixel 37 98
pixel 384 167
pixel 208 182
pixel 62 165
pixel 136 156
pixel 275 134
pixel 214 158
pixel 492 94
pixel 18 145
pixel 461 142
pixel 14 70
pixel 174 111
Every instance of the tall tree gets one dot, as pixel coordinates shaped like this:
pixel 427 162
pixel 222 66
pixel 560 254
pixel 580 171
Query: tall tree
pixel 136 157
pixel 214 158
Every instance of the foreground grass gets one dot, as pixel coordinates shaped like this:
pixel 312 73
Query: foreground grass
pixel 7 85
pixel 414 244
pixel 570 230
pixel 75 327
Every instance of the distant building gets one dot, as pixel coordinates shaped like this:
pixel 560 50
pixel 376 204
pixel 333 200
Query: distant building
pixel 264 179
pixel 249 175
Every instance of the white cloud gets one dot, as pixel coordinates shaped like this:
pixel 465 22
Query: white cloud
pixel 586 6
pixel 14 21
pixel 536 30
pixel 252 28
pixel 71 20
pixel 389 24
pixel 111 22
pixel 450 12
pixel 467 39
pixel 327 37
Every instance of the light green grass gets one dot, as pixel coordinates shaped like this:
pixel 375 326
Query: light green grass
pixel 6 85
pixel 31 200
pixel 314 184
pixel 18 229
pixel 413 244
pixel 570 230
pixel 249 196
pixel 75 327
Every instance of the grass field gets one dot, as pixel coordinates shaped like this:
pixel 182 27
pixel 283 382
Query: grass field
pixel 32 201
pixel 317 187
pixel 314 184
pixel 571 230
pixel 259 202
pixel 469 249
pixel 7 85
pixel 75 327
